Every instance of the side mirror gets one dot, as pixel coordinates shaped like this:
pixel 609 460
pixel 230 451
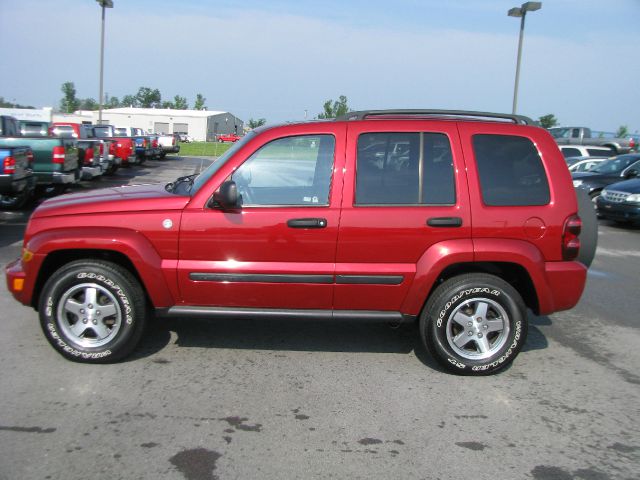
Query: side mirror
pixel 227 196
pixel 633 173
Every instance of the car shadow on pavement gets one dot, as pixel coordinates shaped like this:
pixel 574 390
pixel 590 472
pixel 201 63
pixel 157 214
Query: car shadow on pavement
pixel 285 335
pixel 536 340
pixel 292 335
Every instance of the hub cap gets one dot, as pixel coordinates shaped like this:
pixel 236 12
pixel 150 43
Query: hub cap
pixel 89 315
pixel 477 329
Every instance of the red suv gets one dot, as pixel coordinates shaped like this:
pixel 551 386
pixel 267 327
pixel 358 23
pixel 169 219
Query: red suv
pixel 460 220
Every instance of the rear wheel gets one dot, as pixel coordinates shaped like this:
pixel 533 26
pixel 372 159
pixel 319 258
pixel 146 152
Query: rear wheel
pixel 14 202
pixel 92 311
pixel 474 324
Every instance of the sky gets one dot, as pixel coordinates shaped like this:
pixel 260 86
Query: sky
pixel 276 59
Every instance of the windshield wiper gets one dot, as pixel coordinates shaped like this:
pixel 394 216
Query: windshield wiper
pixel 172 186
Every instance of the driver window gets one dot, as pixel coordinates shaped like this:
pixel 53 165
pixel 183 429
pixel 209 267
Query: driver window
pixel 288 171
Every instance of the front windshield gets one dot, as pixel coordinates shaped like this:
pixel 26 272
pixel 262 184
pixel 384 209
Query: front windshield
pixel 616 165
pixel 210 171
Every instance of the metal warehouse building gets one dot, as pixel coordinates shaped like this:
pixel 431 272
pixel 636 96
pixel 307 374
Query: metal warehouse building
pixel 199 124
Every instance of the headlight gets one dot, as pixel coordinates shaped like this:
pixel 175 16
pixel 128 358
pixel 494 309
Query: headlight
pixel 635 198
pixel 577 183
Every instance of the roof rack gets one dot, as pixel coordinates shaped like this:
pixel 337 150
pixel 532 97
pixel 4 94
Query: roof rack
pixel 361 115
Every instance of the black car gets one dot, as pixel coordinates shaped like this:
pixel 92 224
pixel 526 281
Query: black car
pixel 620 202
pixel 616 169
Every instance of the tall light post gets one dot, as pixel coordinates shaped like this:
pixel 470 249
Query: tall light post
pixel 521 12
pixel 104 4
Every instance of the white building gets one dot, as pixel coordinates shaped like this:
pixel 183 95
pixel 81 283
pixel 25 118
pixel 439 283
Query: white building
pixel 29 114
pixel 199 124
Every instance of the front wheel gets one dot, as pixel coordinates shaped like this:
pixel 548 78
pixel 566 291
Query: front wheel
pixel 474 324
pixel 92 311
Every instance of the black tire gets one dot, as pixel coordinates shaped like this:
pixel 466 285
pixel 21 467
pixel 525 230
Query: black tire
pixel 502 332
pixel 220 140
pixel 589 232
pixel 82 288
pixel 14 202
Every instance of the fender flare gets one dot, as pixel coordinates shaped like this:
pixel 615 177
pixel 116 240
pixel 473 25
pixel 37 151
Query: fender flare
pixel 137 248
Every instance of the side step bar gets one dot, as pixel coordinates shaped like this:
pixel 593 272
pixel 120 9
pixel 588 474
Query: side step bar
pixel 226 313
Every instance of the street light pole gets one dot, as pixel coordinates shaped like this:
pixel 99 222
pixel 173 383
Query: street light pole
pixel 104 4
pixel 522 13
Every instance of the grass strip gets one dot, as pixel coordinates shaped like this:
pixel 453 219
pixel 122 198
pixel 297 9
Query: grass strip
pixel 203 149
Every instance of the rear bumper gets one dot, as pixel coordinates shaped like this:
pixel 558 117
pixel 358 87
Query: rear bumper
pixel 565 284
pixel 10 185
pixel 131 160
pixel 91 172
pixel 56 178
pixel 172 149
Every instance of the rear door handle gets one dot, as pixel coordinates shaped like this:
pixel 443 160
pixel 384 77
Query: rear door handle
pixel 444 222
pixel 307 223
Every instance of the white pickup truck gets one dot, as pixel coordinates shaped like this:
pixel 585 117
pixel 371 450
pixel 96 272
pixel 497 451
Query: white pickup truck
pixel 169 143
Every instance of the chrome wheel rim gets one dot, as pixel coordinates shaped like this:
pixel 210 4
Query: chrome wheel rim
pixel 89 315
pixel 477 329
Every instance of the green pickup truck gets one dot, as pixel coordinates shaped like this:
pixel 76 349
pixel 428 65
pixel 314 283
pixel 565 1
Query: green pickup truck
pixel 55 162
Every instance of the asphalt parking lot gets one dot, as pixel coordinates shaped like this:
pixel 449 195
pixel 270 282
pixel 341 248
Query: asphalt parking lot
pixel 282 399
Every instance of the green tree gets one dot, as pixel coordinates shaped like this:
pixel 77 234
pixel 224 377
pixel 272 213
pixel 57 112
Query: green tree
pixel 112 102
pixel 548 121
pixel 69 102
pixel 199 103
pixel 129 101
pixel 149 98
pixel 6 104
pixel 623 131
pixel 256 123
pixel 168 104
pixel 180 103
pixel 334 109
pixel 88 104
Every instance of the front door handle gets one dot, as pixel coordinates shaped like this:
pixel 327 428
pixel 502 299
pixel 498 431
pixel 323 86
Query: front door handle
pixel 307 223
pixel 444 222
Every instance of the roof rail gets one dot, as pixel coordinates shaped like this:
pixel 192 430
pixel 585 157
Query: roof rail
pixel 362 114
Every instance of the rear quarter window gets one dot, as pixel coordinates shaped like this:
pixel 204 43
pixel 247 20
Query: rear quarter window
pixel 510 171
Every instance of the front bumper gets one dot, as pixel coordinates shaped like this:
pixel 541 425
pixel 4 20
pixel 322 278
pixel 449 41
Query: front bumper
pixel 619 211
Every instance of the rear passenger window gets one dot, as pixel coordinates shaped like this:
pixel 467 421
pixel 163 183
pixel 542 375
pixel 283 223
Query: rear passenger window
pixel 571 152
pixel 404 169
pixel 597 152
pixel 511 172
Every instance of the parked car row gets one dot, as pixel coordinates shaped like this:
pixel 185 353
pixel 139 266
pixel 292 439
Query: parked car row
pixel 48 157
pixel 583 136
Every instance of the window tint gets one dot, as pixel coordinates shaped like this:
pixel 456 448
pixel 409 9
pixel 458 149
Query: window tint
pixel 511 172
pixel 571 152
pixel 288 171
pixel 404 169
pixel 598 152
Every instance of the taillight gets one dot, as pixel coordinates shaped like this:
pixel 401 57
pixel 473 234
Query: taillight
pixel 9 165
pixel 112 148
pixel 632 142
pixel 58 155
pixel 101 149
pixel 173 141
pixel 144 143
pixel 30 157
pixel 154 144
pixel 88 156
pixel 570 237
